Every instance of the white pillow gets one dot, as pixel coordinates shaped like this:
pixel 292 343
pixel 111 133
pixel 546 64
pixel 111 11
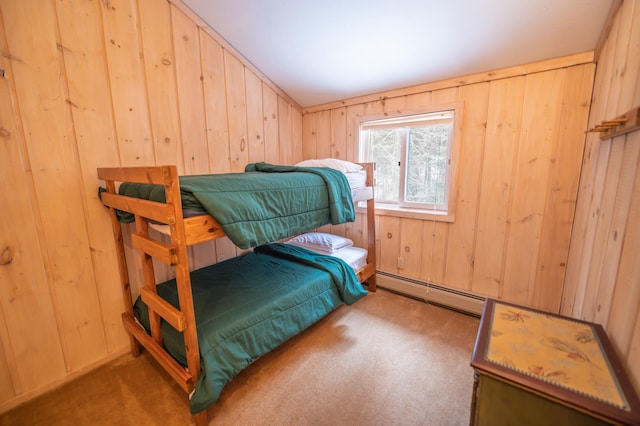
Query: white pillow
pixel 332 163
pixel 320 241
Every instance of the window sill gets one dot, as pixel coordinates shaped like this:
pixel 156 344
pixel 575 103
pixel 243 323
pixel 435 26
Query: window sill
pixel 389 210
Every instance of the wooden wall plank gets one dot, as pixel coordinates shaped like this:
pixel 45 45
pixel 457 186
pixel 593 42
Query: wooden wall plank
pixel 581 235
pixel 186 42
pixel 395 104
pixel 340 229
pixel 439 242
pixel 217 133
pixel 255 117
pixel 411 248
pixel 418 100
pixel 236 112
pixel 215 104
pixel 160 77
pixel 378 240
pixel 606 201
pixel 309 136
pixel 284 132
pixel 586 207
pixel 629 96
pixel 296 135
pixel 338 133
pixel 354 112
pixel 562 189
pixel 427 250
pixel 461 238
pixel 623 267
pixel 504 118
pixel 190 83
pixel 542 102
pixel 323 134
pixel 389 239
pixel 271 135
pixel 127 82
pixel 619 214
pixel 355 231
pixel 95 137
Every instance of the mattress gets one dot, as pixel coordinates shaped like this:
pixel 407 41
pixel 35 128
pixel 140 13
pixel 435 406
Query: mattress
pixel 266 203
pixel 356 181
pixel 244 308
pixel 355 257
pixel 359 189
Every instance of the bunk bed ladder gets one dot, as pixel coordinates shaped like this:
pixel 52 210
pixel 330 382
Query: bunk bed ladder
pixel 174 255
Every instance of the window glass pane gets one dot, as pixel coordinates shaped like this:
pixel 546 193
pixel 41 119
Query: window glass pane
pixel 412 154
pixel 384 150
pixel 427 161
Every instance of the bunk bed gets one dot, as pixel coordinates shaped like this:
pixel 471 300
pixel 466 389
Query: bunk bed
pixel 279 287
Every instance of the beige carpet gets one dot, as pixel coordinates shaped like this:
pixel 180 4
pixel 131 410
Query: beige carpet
pixel 387 360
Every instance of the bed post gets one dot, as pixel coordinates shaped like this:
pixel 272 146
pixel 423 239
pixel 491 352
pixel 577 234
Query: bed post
pixel 183 281
pixel 122 266
pixel 371 227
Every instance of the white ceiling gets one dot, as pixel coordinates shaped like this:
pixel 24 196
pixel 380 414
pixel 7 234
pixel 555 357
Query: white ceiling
pixel 321 51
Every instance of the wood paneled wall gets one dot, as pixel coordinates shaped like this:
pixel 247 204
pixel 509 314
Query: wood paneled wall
pixel 518 170
pixel 106 83
pixel 603 276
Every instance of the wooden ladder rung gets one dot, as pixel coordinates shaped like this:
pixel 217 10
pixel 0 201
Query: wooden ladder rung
pixel 163 308
pixel 159 212
pixel 175 370
pixel 154 248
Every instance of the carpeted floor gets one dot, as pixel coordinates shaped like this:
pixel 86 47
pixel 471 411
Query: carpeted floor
pixel 387 360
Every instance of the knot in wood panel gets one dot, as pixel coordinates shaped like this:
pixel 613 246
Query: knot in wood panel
pixel 6 256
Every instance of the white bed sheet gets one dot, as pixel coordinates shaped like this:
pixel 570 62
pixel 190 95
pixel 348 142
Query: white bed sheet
pixel 356 257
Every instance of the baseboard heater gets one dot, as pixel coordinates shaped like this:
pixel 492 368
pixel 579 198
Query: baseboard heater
pixel 432 293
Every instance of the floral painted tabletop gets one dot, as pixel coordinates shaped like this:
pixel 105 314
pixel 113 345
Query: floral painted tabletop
pixel 552 349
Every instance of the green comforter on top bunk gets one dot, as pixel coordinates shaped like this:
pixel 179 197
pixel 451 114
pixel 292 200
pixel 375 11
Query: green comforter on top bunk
pixel 248 305
pixel 264 204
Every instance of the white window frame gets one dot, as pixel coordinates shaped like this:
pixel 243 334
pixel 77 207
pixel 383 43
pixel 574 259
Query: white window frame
pixel 446 212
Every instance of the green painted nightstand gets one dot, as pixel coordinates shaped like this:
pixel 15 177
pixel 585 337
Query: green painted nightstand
pixel 535 368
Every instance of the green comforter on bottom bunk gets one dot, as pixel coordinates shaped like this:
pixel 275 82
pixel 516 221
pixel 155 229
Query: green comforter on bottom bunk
pixel 266 203
pixel 248 305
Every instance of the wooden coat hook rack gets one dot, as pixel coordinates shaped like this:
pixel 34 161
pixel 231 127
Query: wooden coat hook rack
pixel 620 125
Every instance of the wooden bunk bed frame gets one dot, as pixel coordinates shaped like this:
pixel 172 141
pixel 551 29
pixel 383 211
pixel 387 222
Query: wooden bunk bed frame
pixel 184 232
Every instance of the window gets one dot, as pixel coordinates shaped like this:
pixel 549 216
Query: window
pixel 413 157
